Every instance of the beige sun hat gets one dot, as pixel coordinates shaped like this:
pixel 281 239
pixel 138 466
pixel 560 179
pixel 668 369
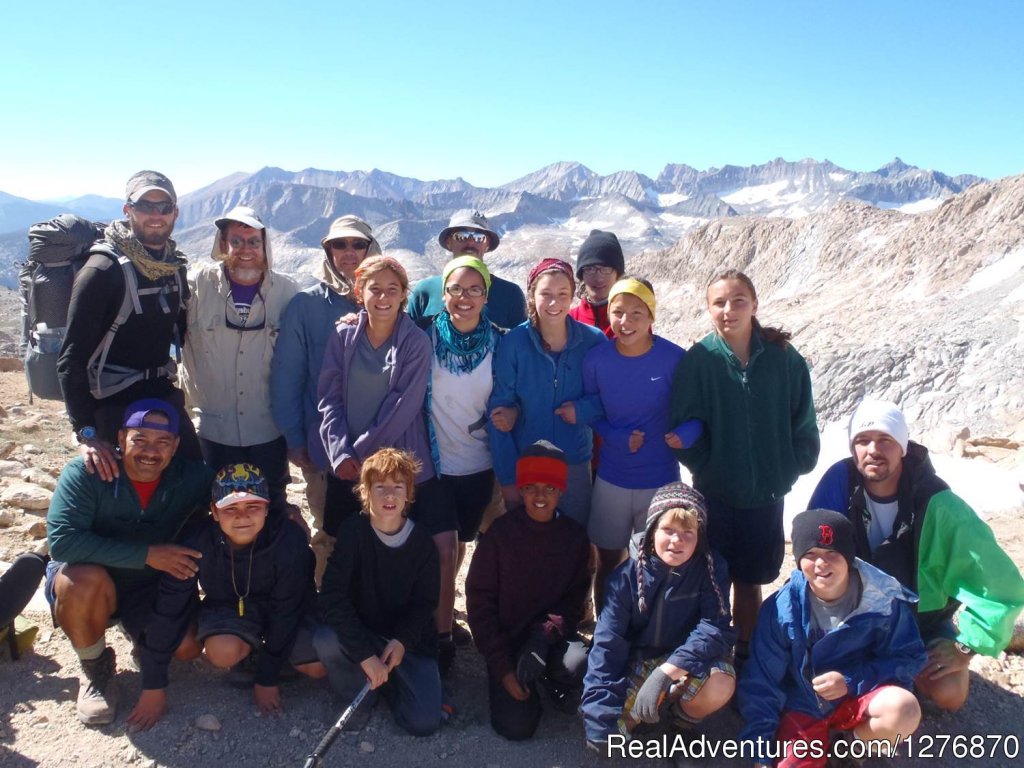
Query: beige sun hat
pixel 350 226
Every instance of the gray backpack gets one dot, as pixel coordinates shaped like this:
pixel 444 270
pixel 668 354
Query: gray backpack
pixel 57 249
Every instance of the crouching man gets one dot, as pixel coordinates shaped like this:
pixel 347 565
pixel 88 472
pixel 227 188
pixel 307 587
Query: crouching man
pixel 111 540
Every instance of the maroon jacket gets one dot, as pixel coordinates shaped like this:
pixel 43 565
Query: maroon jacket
pixel 526 575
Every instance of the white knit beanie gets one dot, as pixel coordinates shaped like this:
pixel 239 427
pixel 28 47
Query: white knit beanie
pixel 880 416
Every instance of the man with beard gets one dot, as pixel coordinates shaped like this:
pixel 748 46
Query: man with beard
pixel 911 525
pixel 468 234
pixel 127 310
pixel 110 541
pixel 234 318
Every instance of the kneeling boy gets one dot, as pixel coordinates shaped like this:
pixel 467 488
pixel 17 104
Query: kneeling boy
pixel 378 599
pixel 257 577
pixel 664 639
pixel 525 594
pixel 837 647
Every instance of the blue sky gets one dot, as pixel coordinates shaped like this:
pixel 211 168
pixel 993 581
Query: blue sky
pixel 93 91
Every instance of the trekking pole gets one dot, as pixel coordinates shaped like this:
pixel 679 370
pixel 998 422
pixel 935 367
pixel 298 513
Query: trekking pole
pixel 325 743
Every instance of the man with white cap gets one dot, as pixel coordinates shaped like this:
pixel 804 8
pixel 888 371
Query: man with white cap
pixel 468 234
pixel 911 525
pixel 127 310
pixel 307 324
pixel 234 319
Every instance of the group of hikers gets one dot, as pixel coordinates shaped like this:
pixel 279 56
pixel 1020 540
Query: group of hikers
pixel 546 426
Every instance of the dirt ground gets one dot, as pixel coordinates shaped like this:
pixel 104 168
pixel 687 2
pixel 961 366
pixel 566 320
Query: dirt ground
pixel 38 726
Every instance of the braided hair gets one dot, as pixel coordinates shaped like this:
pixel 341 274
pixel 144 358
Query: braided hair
pixel 669 498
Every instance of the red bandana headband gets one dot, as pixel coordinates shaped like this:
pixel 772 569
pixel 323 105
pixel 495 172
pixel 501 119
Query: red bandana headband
pixel 541 470
pixel 552 265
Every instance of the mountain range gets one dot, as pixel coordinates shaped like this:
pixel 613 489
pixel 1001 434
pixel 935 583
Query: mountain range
pixel 551 209
pixel 902 283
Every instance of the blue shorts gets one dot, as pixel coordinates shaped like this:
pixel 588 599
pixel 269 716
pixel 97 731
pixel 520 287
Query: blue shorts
pixel 751 540
pixel 135 600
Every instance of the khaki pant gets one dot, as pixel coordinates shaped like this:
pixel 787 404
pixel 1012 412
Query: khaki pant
pixel 321 543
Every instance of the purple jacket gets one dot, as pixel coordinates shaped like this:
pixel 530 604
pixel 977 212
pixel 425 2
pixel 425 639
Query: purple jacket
pixel 400 422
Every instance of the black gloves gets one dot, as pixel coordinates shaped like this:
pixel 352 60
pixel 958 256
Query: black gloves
pixel 650 696
pixel 533 659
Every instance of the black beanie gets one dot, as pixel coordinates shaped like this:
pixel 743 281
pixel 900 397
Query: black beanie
pixel 601 249
pixel 825 529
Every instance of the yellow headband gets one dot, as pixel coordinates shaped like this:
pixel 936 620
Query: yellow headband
pixel 636 288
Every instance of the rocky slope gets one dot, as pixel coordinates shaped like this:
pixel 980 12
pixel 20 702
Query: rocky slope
pixel 927 310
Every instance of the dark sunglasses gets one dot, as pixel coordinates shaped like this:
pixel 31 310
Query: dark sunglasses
pixel 469 234
pixel 355 244
pixel 164 208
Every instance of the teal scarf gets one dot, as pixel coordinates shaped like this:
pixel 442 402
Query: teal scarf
pixel 463 352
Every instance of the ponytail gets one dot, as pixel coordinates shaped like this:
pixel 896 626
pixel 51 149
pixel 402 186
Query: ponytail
pixel 769 334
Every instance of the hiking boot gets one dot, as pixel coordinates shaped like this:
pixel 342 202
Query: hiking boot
pixel 97 690
pixel 562 698
pixel 445 656
pixel 461 636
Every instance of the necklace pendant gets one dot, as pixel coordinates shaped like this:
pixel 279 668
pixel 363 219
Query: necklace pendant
pixel 241 606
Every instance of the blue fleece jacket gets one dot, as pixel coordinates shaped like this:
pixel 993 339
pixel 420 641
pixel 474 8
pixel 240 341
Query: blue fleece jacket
pixel 684 619
pixel 878 643
pixel 528 378
pixel 306 326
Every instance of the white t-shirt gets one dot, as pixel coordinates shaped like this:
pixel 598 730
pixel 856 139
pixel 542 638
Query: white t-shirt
pixel 883 517
pixel 458 414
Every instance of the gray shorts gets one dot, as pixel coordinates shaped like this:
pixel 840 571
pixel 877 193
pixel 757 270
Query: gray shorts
pixel 575 502
pixel 617 513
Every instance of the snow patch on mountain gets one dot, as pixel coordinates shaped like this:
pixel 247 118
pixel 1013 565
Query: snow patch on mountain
pixel 1009 266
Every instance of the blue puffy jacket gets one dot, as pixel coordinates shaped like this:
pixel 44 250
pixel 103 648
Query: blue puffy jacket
pixel 684 618
pixel 877 643
pixel 307 325
pixel 528 378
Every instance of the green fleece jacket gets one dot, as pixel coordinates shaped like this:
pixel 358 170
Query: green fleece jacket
pixel 938 547
pixel 760 431
pixel 92 521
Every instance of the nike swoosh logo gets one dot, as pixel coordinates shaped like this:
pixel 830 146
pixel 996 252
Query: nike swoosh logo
pixel 655 378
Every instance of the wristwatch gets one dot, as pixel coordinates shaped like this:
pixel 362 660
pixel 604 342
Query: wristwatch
pixel 85 434
pixel 966 650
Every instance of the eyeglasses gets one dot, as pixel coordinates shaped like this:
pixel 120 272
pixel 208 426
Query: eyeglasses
pixel 164 207
pixel 473 291
pixel 355 244
pixel 464 235
pixel 238 242
pixel 594 269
